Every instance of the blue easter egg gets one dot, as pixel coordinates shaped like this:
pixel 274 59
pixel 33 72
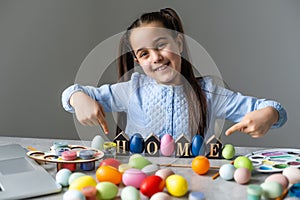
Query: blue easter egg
pixel 196 145
pixel 136 143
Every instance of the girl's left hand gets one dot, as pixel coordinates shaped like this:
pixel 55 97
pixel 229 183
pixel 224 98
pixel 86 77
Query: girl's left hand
pixel 256 123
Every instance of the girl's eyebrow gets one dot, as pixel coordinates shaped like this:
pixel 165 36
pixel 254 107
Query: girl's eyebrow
pixel 154 41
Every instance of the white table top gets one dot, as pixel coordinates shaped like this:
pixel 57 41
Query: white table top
pixel 213 189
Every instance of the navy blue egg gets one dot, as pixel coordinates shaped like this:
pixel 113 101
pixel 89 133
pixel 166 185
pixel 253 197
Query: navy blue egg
pixel 136 143
pixel 196 145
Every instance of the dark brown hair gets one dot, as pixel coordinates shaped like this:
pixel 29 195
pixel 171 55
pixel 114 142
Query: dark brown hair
pixel 195 97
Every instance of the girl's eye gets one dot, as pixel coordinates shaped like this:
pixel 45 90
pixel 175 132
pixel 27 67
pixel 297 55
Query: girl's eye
pixel 143 54
pixel 161 45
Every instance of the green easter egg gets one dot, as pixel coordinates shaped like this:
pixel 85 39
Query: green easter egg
pixel 271 190
pixel 107 190
pixel 139 162
pixel 228 151
pixel 243 161
pixel 133 156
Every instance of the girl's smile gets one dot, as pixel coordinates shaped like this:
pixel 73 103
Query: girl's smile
pixel 157 52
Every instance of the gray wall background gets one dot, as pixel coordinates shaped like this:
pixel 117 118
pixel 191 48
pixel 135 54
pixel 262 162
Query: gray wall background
pixel 255 44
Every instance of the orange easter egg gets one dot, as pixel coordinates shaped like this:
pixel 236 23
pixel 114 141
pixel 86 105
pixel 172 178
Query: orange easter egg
pixel 108 173
pixel 200 165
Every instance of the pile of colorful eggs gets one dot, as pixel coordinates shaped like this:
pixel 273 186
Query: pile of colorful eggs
pixel 137 178
pixel 275 185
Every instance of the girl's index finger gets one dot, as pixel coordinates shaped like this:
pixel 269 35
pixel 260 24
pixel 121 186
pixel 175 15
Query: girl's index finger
pixel 104 126
pixel 237 127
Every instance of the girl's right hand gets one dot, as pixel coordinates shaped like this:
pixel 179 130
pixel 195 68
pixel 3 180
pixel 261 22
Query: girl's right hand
pixel 88 111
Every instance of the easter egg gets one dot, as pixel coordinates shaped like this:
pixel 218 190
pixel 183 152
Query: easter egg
pixel 271 189
pixel 228 151
pixel 73 195
pixel 136 143
pixel 176 185
pixel 130 193
pixel 226 171
pixel 107 190
pixel 279 178
pixel 200 165
pixel 90 192
pixel 254 192
pixel 151 185
pixel 110 162
pixel 109 173
pixel 62 176
pixel 138 162
pixel 164 173
pixel 74 176
pixel 196 196
pixel 97 142
pixel 123 167
pixel 244 162
pixel 82 182
pixel 150 169
pixel 133 177
pixel 161 196
pixel 292 174
pixel 196 145
pixel 167 145
pixel 242 175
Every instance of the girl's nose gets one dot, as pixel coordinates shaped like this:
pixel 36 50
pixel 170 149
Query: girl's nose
pixel 156 56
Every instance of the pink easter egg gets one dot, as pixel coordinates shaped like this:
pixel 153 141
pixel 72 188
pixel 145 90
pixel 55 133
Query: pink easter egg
pixel 133 177
pixel 242 175
pixel 279 178
pixel 164 173
pixel 167 145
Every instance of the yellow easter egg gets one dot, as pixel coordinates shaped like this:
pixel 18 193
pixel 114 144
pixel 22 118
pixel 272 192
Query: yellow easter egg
pixel 81 182
pixel 176 185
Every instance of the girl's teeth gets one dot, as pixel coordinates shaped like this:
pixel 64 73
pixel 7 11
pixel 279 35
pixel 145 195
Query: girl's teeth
pixel 161 68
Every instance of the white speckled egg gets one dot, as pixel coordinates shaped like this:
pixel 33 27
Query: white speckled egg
pixel 62 176
pixel 161 196
pixel 292 174
pixel 73 195
pixel 150 169
pixel 167 145
pixel 130 193
pixel 226 171
pixel 97 142
pixel 74 176
pixel 164 173
pixel 271 189
pixel 279 178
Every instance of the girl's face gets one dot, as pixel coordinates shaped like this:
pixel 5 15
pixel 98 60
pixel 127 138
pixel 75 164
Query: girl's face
pixel 157 52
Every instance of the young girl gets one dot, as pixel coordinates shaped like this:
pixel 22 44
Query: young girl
pixel 167 98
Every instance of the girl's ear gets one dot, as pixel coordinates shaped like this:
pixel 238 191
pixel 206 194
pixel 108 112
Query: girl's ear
pixel 179 41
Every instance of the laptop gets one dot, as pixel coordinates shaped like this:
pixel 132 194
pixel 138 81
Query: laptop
pixel 21 177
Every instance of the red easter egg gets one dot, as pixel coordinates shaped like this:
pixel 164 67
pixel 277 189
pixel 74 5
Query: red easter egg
pixel 151 185
pixel 110 162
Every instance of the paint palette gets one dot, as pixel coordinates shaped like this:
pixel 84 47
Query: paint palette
pixel 52 157
pixel 274 160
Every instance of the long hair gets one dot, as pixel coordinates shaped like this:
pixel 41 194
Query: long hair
pixel 197 106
